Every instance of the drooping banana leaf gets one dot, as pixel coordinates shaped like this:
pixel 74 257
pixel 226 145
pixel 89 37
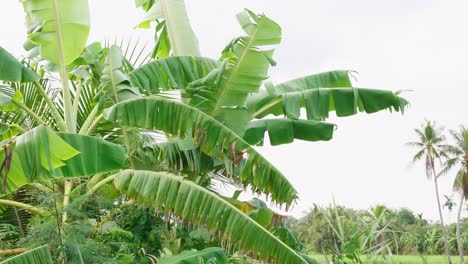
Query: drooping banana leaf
pixel 41 153
pixel 96 156
pixel 212 137
pixel 213 254
pixel 14 71
pixel 258 210
pixel 59 27
pixel 177 155
pixel 319 94
pixel 171 73
pixel 245 66
pixel 38 255
pixel 282 131
pixel 194 203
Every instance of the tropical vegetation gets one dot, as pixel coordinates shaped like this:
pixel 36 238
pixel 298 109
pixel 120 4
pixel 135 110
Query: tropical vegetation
pixel 377 235
pixel 113 153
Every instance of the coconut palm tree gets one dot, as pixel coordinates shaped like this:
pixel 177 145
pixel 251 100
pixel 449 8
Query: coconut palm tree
pixel 459 158
pixel 431 147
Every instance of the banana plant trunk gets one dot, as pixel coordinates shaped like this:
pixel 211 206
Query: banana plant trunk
pixel 444 231
pixel 459 240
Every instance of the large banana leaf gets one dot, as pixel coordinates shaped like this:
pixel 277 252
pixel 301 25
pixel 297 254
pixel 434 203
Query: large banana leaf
pixel 14 71
pixel 59 27
pixel 283 131
pixel 194 203
pixel 212 137
pixel 176 155
pixel 319 94
pixel 213 254
pixel 330 79
pixel 244 69
pixel 38 255
pixel 95 156
pixel 171 73
pixel 265 97
pixel 183 41
pixel 41 153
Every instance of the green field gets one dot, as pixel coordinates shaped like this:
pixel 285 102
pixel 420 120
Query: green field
pixel 403 259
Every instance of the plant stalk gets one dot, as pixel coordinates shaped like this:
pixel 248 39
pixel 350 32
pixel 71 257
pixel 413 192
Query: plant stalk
pixel 86 125
pixel 66 198
pixel 70 121
pixel 100 184
pixel 266 107
pixel 20 205
pixel 13 251
pixel 33 115
pixel 458 232
pixel 60 122
pixel 444 231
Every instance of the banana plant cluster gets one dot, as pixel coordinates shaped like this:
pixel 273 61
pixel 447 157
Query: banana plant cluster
pixel 111 119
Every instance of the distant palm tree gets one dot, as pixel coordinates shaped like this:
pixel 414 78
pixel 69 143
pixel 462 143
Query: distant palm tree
pixel 459 157
pixel 431 146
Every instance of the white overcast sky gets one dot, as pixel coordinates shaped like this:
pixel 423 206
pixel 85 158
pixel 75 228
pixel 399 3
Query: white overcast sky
pixel 420 45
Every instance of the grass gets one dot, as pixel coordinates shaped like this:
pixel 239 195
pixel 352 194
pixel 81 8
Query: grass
pixel 404 259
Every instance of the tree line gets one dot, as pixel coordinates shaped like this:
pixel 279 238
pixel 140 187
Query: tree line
pixel 346 233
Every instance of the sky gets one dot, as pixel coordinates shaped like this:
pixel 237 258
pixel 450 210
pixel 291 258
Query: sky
pixel 418 45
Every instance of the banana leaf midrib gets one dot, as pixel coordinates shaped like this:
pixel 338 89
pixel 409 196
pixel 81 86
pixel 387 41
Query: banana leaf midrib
pixel 234 74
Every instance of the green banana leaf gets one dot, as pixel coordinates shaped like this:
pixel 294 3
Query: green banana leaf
pixel 41 153
pixel 38 255
pixel 212 137
pixel 283 131
pixel 330 79
pixel 176 155
pixel 319 94
pixel 95 156
pixel 115 85
pixel 193 257
pixel 59 27
pixel 196 204
pixel 171 73
pixel 245 66
pixel 12 70
pixel 183 41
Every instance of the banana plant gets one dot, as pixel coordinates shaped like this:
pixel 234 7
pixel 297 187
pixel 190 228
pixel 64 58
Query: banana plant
pixel 112 122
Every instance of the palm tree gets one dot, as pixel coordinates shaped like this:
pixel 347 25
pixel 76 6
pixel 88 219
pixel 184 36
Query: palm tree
pixel 459 157
pixel 431 147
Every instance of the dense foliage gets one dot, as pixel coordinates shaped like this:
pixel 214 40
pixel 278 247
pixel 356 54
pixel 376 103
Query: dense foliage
pixel 391 232
pixel 111 153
